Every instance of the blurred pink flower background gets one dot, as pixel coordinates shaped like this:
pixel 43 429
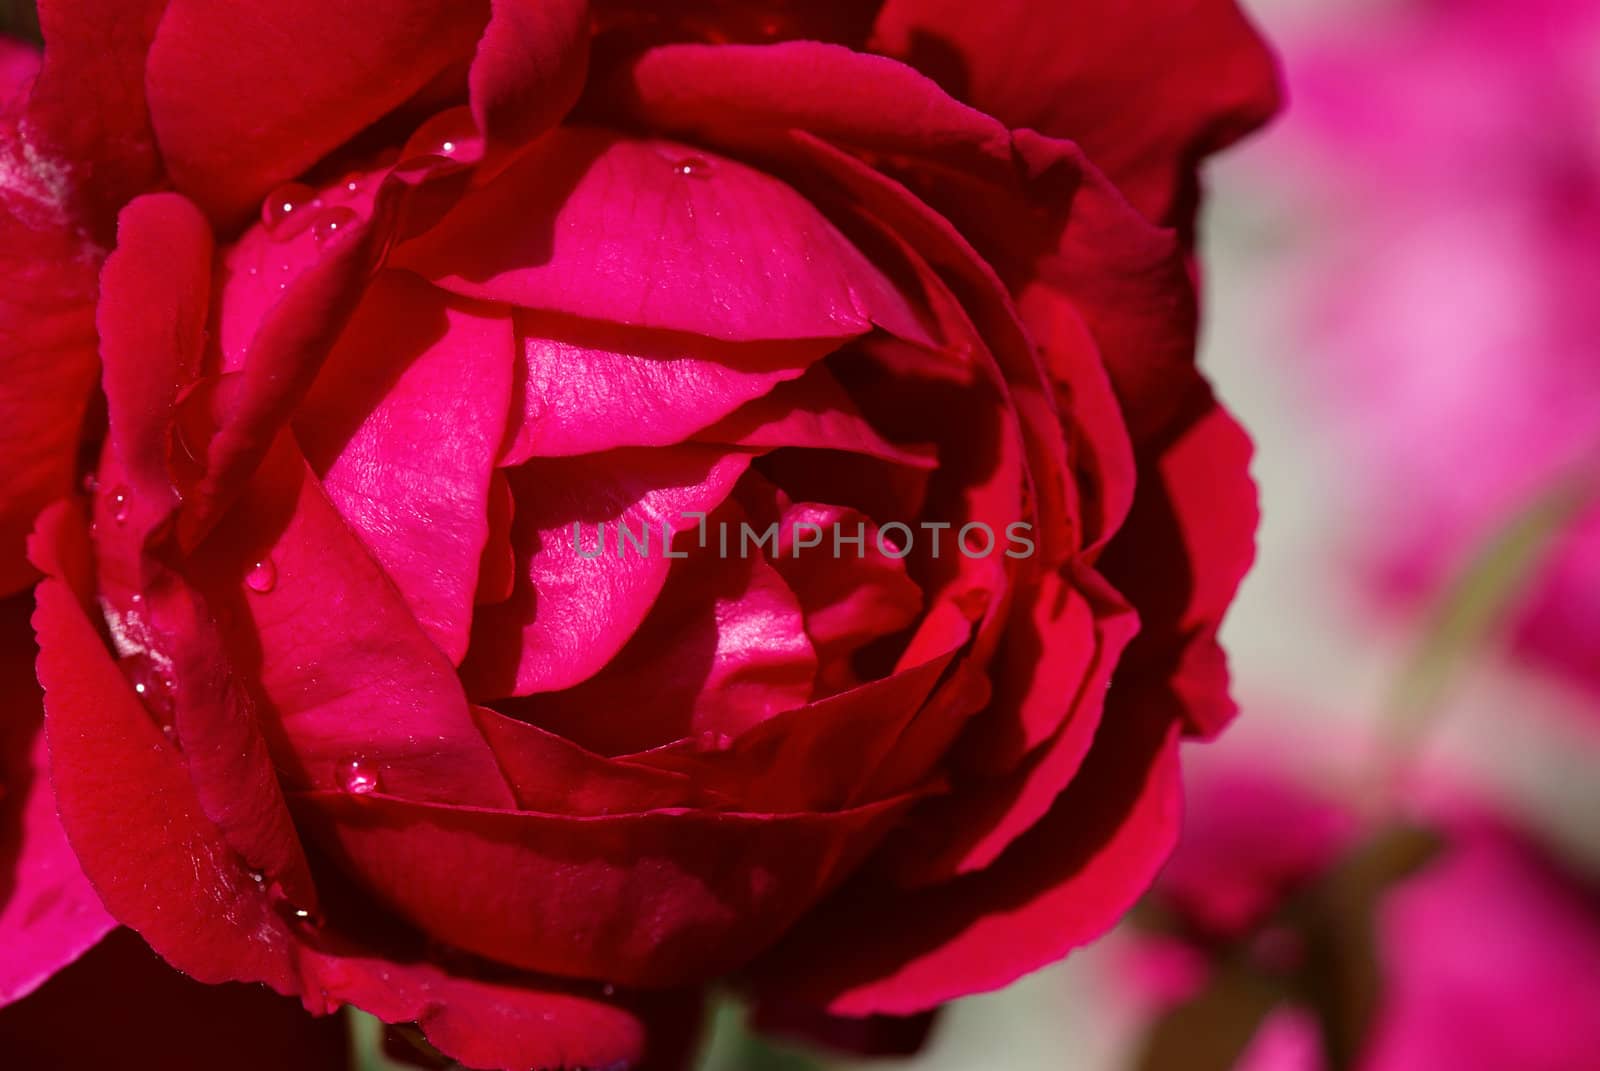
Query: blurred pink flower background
pixel 1453 306
pixel 1427 222
pixel 1488 953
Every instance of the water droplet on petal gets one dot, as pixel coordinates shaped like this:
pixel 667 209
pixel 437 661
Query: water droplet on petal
pixel 284 212
pixel 693 167
pixel 262 577
pixel 358 777
pixel 333 223
pixel 119 504
pixel 286 909
pixel 258 877
pixel 295 916
pixel 608 990
pixel 155 690
pixel 91 483
pixel 451 134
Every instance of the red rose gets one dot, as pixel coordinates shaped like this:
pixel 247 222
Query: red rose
pixel 655 497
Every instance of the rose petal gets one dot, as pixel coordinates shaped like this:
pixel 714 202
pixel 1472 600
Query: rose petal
pixel 1186 79
pixel 155 293
pixel 576 604
pixel 592 386
pixel 404 424
pixel 19 66
pixel 129 809
pixel 164 870
pixel 724 648
pixel 497 569
pixel 1187 545
pixel 657 234
pixel 49 915
pixel 529 69
pixel 349 674
pixel 811 411
pixel 1057 692
pixel 817 757
pixel 851 594
pixel 243 98
pixel 1064 883
pixel 47 346
pixel 87 119
pixel 744 92
pixel 721 886
pixel 552 774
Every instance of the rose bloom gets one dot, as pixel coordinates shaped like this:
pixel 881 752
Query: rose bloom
pixel 1487 953
pixel 1452 300
pixel 404 304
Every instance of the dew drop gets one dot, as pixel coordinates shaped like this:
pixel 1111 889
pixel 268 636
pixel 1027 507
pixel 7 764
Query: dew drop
pixel 286 909
pixel 608 990
pixel 358 777
pixel 451 135
pixel 119 504
pixel 258 877
pixel 155 691
pixel 284 211
pixel 262 577
pixel 296 916
pixel 693 167
pixel 91 483
pixel 333 223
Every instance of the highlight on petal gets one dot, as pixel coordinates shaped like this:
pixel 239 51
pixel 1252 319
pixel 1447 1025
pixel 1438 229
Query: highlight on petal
pixel 656 234
pixel 590 386
pixel 404 424
pixel 47 336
